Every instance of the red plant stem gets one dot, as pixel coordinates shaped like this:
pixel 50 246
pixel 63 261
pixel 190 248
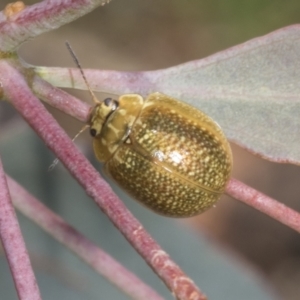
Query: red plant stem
pixel 14 246
pixel 17 91
pixel 263 203
pixel 100 261
pixel 41 17
pixel 61 100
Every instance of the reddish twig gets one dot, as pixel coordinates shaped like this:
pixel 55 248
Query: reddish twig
pixel 14 246
pixel 263 203
pixel 41 17
pixel 100 261
pixel 61 100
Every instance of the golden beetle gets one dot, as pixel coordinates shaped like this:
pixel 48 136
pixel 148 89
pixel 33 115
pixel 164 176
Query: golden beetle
pixel 168 155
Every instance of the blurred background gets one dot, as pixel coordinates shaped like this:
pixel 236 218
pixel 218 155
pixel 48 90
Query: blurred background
pixel 148 35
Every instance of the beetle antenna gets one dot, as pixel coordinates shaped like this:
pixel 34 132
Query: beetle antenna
pixel 80 131
pixel 81 71
pixel 56 160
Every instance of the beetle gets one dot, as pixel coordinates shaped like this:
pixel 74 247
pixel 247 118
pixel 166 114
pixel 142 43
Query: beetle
pixel 168 155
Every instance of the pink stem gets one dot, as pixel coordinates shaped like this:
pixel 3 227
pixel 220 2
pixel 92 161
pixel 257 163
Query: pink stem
pixel 100 261
pixel 61 100
pixel 263 203
pixel 14 246
pixel 17 91
pixel 41 17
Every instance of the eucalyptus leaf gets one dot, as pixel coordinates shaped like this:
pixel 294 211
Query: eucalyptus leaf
pixel 252 90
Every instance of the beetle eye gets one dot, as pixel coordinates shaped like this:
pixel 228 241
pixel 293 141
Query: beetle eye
pixel 113 104
pixel 108 101
pixel 93 132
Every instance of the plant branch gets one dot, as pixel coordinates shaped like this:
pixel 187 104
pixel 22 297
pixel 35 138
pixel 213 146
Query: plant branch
pixel 263 203
pixel 61 100
pixel 17 91
pixel 39 18
pixel 99 260
pixel 14 246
